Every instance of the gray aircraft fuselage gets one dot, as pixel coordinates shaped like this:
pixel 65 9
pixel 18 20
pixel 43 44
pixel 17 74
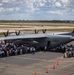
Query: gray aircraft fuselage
pixel 50 41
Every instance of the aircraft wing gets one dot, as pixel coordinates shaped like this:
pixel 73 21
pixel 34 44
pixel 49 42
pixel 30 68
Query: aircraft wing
pixel 26 36
pixel 58 33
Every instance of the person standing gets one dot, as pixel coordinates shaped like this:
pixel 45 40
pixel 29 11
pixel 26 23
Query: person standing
pixel 33 48
pixel 20 51
pixel 0 53
pixel 45 48
pixel 67 53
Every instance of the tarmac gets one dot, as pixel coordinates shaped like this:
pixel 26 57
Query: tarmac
pixel 37 64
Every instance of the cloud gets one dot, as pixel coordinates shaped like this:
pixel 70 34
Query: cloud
pixel 37 7
pixel 13 9
pixel 5 1
pixel 10 9
pixel 65 1
pixel 73 11
pixel 41 3
pixel 17 8
pixel 1 9
pixel 57 4
pixel 1 4
pixel 57 12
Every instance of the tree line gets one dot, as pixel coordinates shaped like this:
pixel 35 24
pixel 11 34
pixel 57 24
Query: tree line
pixel 29 21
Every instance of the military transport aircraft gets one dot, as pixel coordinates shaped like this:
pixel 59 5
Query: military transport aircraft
pixel 49 40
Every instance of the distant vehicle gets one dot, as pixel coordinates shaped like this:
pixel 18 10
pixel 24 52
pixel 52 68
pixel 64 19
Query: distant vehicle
pixel 49 40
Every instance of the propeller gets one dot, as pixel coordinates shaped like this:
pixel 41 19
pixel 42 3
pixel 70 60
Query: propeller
pixel 36 31
pixel 6 34
pixel 17 33
pixel 44 30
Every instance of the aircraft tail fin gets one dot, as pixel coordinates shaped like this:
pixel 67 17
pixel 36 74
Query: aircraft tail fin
pixel 72 33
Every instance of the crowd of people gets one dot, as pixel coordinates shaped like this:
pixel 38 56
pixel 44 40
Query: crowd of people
pixel 10 49
pixel 69 52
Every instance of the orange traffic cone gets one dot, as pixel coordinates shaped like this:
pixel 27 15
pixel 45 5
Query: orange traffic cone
pixel 65 73
pixel 47 70
pixel 57 62
pixel 54 66
pixel 35 73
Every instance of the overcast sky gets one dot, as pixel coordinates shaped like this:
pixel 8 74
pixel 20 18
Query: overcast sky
pixel 36 9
